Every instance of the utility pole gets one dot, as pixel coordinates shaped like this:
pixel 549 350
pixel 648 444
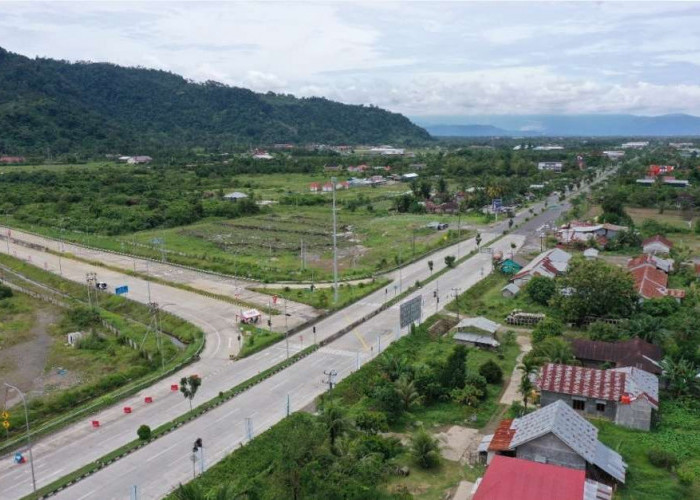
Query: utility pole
pixel 456 292
pixel 155 326
pixel 437 295
pixel 269 315
pixel 335 247
pixel 331 374
pixel 400 273
pixel 29 436
pixel 286 327
pixel 90 280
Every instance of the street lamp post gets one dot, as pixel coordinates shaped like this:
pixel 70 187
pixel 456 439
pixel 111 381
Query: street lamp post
pixel 29 438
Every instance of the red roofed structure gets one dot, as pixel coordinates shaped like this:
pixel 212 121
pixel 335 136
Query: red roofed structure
pixel 649 281
pixel 579 381
pixel 512 478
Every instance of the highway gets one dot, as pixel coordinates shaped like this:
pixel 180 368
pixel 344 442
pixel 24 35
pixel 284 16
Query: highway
pixel 223 429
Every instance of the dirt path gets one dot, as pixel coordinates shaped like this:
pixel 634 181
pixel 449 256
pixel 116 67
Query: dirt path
pixel 511 393
pixel 23 364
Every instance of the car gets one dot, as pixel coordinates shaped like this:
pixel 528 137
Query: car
pixel 101 285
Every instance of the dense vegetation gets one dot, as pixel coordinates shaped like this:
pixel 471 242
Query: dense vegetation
pixel 52 104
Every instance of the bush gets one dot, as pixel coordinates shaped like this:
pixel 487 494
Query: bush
pixel 603 331
pixel 548 327
pixel 541 289
pixel 491 372
pixel 371 422
pixel 425 449
pixel 144 433
pixel 662 458
pixel 450 261
pixel 478 382
pixel 5 292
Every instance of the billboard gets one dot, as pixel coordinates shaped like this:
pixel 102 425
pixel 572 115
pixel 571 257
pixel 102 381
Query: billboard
pixel 410 311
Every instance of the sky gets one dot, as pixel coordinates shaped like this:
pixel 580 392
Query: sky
pixel 418 58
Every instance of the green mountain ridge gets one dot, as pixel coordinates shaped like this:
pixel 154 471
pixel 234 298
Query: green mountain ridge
pixel 59 106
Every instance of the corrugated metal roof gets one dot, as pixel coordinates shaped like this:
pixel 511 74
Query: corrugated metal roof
pixel 481 323
pixel 562 421
pixel 502 436
pixel 593 490
pixel 476 338
pixel 515 479
pixel 634 352
pixel 580 381
pixel 610 461
pixel 640 383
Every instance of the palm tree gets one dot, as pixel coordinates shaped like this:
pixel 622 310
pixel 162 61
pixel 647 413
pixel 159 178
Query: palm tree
pixel 406 389
pixel 333 417
pixel 528 367
pixel 425 449
pixel 680 375
pixel 393 366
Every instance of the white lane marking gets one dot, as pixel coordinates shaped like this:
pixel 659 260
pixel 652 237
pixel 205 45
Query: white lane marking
pixel 235 410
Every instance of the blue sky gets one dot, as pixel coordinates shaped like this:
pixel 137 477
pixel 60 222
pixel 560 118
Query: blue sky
pixel 417 58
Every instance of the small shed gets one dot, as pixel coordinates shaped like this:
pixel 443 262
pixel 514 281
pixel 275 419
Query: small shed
pixel 478 323
pixel 235 196
pixel 591 253
pixel 510 290
pixel 476 340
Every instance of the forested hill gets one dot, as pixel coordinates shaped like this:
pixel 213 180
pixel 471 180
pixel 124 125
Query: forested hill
pixel 64 106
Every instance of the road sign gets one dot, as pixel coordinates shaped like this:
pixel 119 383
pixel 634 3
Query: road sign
pixel 6 424
pixel 121 290
pixel 410 311
pixel 5 415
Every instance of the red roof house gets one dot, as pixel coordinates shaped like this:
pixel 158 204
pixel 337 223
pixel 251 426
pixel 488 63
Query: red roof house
pixel 579 381
pixel 512 478
pixel 651 282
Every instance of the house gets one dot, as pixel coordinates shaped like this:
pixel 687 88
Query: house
pixel 548 147
pixel 476 340
pixel 409 177
pixel 386 151
pixel 509 478
pixel 478 323
pixel 614 155
pixel 655 170
pixel 510 266
pixel 138 160
pixel 510 290
pixel 650 281
pixel 551 166
pixel 235 196
pixel 590 253
pixel 634 352
pixel 332 168
pixel 665 265
pixel 314 187
pixel 549 264
pixel 647 181
pixel 12 159
pixel 261 154
pixel 672 181
pixel 557 435
pixel 657 244
pixel 577 231
pixel 628 396
pixel 635 145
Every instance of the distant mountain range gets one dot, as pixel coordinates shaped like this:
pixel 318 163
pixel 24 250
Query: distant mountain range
pixel 566 125
pixel 62 107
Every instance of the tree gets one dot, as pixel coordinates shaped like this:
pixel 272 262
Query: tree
pixel 371 422
pixel 189 386
pixel 425 449
pixel 450 261
pixel 454 372
pixel 491 372
pixel 406 389
pixel 441 185
pixel 541 289
pixel 144 432
pixel 389 401
pixel 6 291
pixel 681 376
pixel 548 327
pixel 333 417
pixel 599 330
pixel 552 350
pixel 525 387
pixel 468 395
pixel 393 366
pixel 595 288
pixel 430 266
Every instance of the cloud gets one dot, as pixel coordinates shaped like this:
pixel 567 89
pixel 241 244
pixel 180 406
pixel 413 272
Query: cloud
pixel 419 58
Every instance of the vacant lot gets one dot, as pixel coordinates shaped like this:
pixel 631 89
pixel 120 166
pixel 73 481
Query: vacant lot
pixel 269 246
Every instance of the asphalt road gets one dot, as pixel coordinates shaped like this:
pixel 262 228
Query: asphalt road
pixel 162 465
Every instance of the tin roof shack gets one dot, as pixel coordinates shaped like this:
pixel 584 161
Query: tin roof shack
pixel 477 332
pixel 512 478
pixel 627 396
pixel 634 352
pixel 549 264
pixel 476 340
pixel 558 435
pixel 657 244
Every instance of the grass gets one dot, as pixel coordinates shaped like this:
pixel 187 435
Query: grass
pixel 256 339
pixel 267 246
pixel 16 319
pixel 679 433
pixel 430 484
pixel 322 298
pixel 485 299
